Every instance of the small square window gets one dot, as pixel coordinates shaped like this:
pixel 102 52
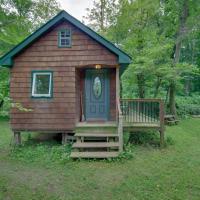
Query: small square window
pixel 42 84
pixel 64 38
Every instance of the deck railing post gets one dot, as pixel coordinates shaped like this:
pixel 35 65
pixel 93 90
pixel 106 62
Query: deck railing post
pixel 17 138
pixel 120 133
pixel 161 116
pixel 119 112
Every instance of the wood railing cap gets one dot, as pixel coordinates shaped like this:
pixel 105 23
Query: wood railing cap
pixel 142 100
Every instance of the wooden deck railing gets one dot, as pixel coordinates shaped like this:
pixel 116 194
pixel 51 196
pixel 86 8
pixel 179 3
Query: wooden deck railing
pixel 147 111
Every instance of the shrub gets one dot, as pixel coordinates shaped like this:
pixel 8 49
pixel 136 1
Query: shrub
pixel 169 141
pixel 149 138
pixel 144 138
pixel 188 105
pixel 47 152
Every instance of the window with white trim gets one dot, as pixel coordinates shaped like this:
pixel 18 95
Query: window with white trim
pixel 42 84
pixel 64 38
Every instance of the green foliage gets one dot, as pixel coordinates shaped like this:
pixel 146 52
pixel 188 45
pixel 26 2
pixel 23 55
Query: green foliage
pixel 188 105
pixel 102 14
pixel 4 92
pixel 148 138
pixel 150 31
pixel 32 151
pixel 50 152
pixel 127 154
pixel 7 104
pixel 169 141
pixel 144 138
pixel 19 18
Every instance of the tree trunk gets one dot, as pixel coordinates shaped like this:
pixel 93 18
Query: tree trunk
pixel 180 34
pixel 172 102
pixel 102 20
pixel 1 103
pixel 158 83
pixel 141 85
pixel 187 87
pixel 167 95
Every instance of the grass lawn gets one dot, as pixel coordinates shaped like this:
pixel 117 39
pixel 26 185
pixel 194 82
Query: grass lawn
pixel 43 171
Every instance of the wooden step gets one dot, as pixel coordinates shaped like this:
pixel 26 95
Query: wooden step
pixel 94 154
pixel 96 135
pixel 95 144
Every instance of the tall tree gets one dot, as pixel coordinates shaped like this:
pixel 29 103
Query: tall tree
pixel 19 18
pixel 184 14
pixel 102 14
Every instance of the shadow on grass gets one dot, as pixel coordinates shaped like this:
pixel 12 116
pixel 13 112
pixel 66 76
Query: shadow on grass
pixel 147 138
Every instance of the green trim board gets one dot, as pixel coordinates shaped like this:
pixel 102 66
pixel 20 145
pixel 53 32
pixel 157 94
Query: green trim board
pixel 51 84
pixel 7 59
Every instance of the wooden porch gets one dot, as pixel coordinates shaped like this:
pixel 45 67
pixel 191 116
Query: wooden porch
pixel 141 115
pixel 105 139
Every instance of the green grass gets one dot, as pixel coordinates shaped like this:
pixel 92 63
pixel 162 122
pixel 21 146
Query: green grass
pixel 44 171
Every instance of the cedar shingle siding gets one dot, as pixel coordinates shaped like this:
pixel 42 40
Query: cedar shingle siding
pixel 60 112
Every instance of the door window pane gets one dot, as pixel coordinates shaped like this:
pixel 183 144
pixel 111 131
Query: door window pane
pixel 97 87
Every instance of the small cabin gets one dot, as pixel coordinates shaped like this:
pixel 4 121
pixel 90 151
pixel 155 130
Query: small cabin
pixel 68 76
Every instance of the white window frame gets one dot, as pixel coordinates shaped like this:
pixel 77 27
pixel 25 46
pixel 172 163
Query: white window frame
pixel 34 84
pixel 65 38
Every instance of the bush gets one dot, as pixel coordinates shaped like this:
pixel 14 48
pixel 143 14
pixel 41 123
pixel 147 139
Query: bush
pixel 169 141
pixel 47 152
pixel 188 105
pixel 144 138
pixel 5 109
pixel 149 138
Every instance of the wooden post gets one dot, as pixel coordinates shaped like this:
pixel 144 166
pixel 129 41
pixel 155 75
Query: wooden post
pixel 64 138
pixel 117 89
pixel 17 138
pixel 162 127
pixel 118 111
pixel 120 133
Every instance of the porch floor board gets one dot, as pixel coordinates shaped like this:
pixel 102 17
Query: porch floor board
pixel 126 123
pixel 95 134
pixel 97 124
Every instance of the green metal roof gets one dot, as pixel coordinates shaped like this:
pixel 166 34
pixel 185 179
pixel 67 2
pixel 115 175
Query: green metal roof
pixel 7 59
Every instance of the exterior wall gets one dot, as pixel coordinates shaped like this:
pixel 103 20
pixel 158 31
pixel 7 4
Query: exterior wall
pixel 59 112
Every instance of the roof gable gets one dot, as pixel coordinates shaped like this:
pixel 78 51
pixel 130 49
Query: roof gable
pixel 7 59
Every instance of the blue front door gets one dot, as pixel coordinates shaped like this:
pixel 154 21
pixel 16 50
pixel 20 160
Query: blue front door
pixel 96 94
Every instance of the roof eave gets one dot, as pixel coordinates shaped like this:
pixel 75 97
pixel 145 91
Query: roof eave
pixel 7 62
pixel 7 59
pixel 124 60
